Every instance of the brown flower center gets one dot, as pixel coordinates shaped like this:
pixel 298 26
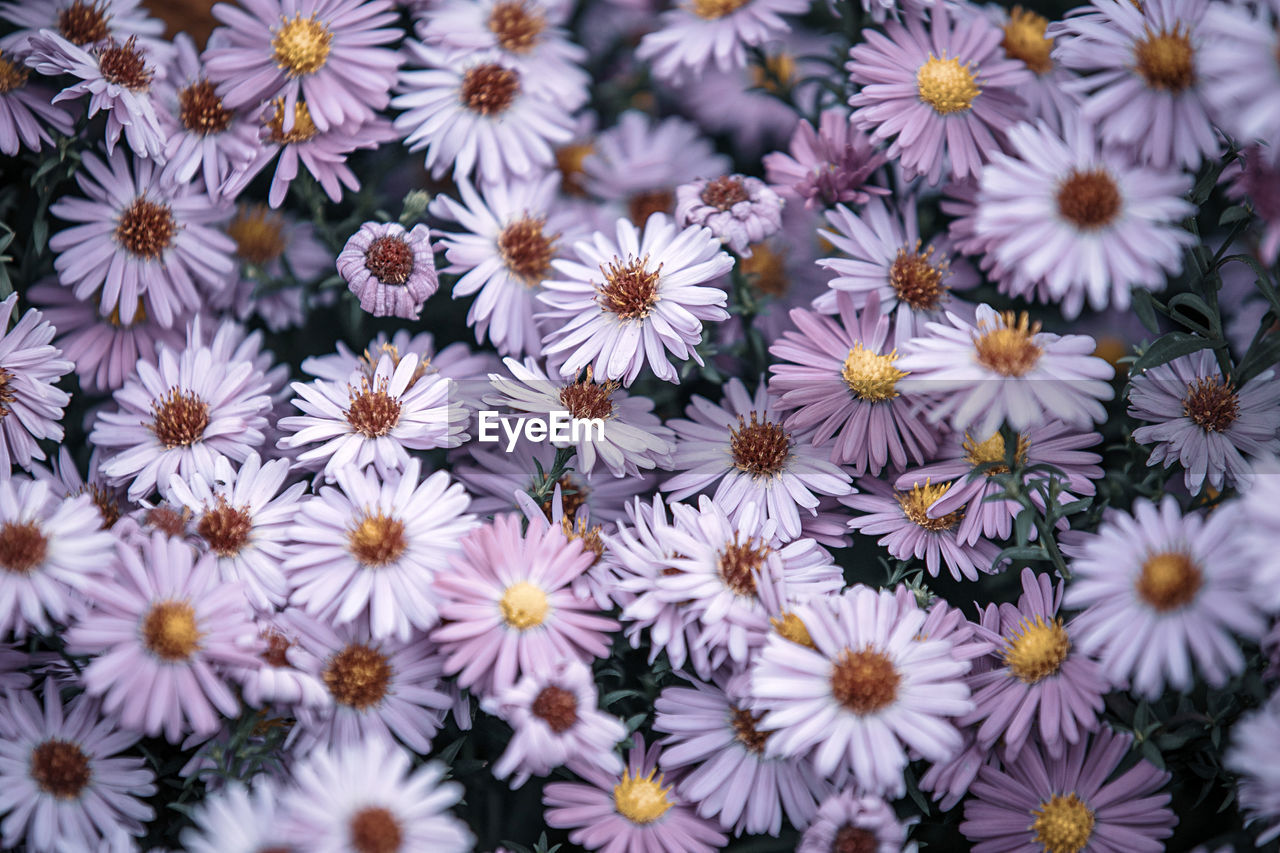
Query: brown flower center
pixel 1089 200
pixel 301 46
pixel 304 128
pixel 124 65
pixel 759 448
pixel 106 503
pixel 724 192
pixel 276 653
pixel 515 26
pixel 84 23
pixel 569 160
pixel 527 249
pixel 390 259
pixel 179 419
pixel 630 290
pixel 556 706
pixel 201 109
pixel 1007 347
pixel 60 768
pixel 1063 824
pixel 766 270
pixel 377 540
pixel 854 839
pixel 1169 581
pixel 1166 59
pixel 642 205
pixel 572 497
pixel 864 681
pixel 372 412
pixel 7 394
pixel 1211 404
pixel 225 527
pixel 170 631
pixel 489 89
pixel 167 520
pixel 739 563
pixel 587 399
pixel 375 830
pixel 259 234
pixel 358 676
pixel 146 229
pixel 744 727
pixel 915 506
pixel 12 75
pixel 1024 40
pixel 591 537
pixel 710 10
pixel 22 546
pixel 917 279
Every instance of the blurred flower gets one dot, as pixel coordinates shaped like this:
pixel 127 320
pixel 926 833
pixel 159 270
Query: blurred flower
pixel 712 33
pixel 1260 529
pixel 87 23
pixel 25 109
pixel 847 821
pixel 1252 755
pixel 1238 72
pixel 1259 182
pixel 739 210
pixel 828 165
pixel 1047 93
pixel 30 405
pixel 236 819
pixel 284 673
pixel 391 271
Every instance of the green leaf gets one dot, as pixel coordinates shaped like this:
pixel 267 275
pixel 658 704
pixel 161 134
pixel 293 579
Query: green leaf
pixel 1234 213
pixel 1144 305
pixel 1168 347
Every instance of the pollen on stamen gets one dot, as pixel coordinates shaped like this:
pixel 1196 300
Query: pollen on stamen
pixel 630 288
pixel 759 448
pixel 917 278
pixel 489 89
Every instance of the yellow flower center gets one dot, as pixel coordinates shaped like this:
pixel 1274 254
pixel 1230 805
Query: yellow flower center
pixel 1037 650
pixel 791 627
pixel 871 376
pixel 991 452
pixel 569 159
pixel 766 270
pixel 259 234
pixel 1169 581
pixel 377 540
pixel 1024 40
pixel 12 75
pixel 301 46
pixel 358 676
pixel 170 631
pixel 523 606
pixel 710 10
pixel 777 72
pixel 1165 59
pixel 1063 824
pixel 946 85
pixel 303 127
pixel 915 506
pixel 641 799
pixel 1007 347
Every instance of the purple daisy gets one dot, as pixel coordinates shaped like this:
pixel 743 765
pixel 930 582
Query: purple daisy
pixel 715 33
pixel 556 720
pixel 235 819
pixel 327 52
pixel 161 627
pixel 1240 77
pixel 637 811
pixel 1204 422
pixel 272 247
pixel 138 241
pixel 1259 182
pixel 942 95
pixel 739 210
pixel 1070 803
pixel 87 23
pixel 742 449
pixel 1140 82
pixel 1260 508
pixel 826 166
pixel 65 481
pixel 1160 589
pixel 508 609
pixel 372 547
pixel 62 779
pixel 391 271
pixel 847 821
pixel 30 405
pixel 1047 93
pixel 629 302
pixel 1003 369
pixel 25 110
pixel 285 673
pixel 1253 746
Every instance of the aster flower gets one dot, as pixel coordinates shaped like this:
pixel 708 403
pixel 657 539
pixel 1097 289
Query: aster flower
pixel 1202 421
pixel 1087 221
pixel 1047 92
pixel 1003 369
pixel 1237 74
pixel 1259 182
pixel 638 810
pixel 941 95
pixel 236 819
pixel 180 413
pixel 1072 802
pixel 474 112
pixel 61 778
pixel 1139 78
pixel 326 52
pixel 712 732
pixel 739 210
pixel 826 165
pixel 136 238
pixel 272 247
pixel 25 109
pixel 712 32
pixel 366 793
pixel 556 720
pixel 630 301
pixel 373 545
pixel 87 23
pixel 864 690
pixel 373 419
pixel 1260 509
pixel 1161 589
pixel 285 673
pixel 841 382
pixel 160 627
pixel 30 405
pixel 1252 756
pixel 391 271
pixel 754 461
pixel 847 821
pixel 632 436
pixel 508 609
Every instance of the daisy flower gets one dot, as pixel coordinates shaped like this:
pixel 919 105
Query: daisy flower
pixel 1202 421
pixel 243 518
pixel 638 810
pixel 847 821
pixel 1252 755
pixel 742 449
pixel 135 238
pixel 272 247
pixel 1088 222
pixel 160 627
pixel 715 33
pixel 629 301
pixel 838 379
pixel 1260 508
pixel 87 23
pixel 556 720
pixel 179 413
pixel 372 547
pixel 1160 589
pixel 507 608
pixel 48 548
pixel 373 419
pixel 1003 369
pixel 285 673
pixel 632 436
pixel 712 738
pixel 475 112
pixel 25 109
pixel 1071 802
pixel 942 95
pixel 235 819
pixel 366 794
pixel 1238 72
pixel 1140 82
pixel 739 210
pixel 1046 94
pixel 62 779
pixel 391 271
pixel 30 405
pixel 827 165
pixel 863 692
pixel 327 52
